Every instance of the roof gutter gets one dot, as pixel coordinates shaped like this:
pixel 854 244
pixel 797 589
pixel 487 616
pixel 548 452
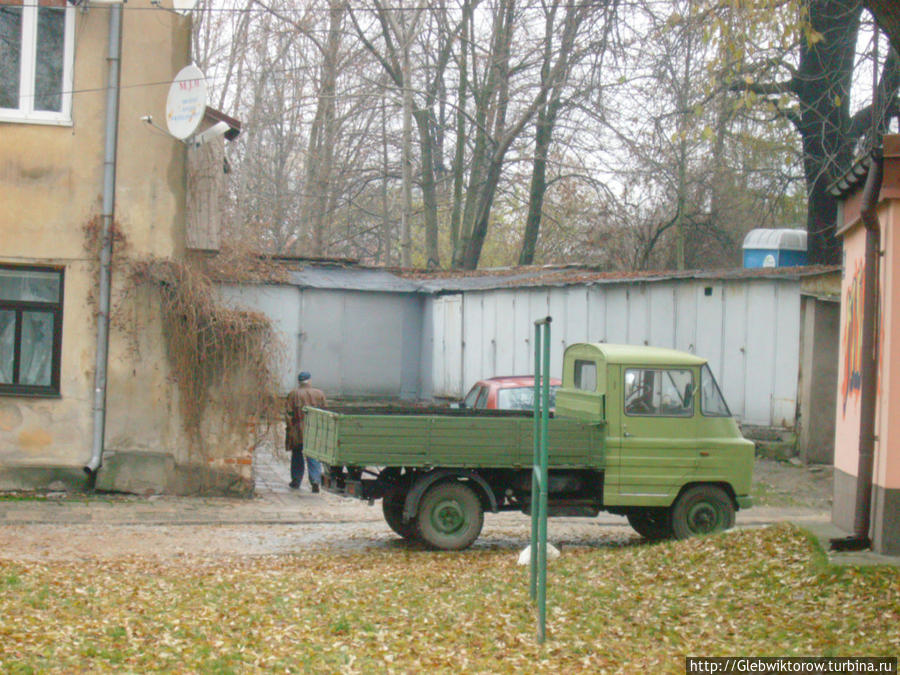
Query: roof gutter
pixel 869 361
pixel 109 202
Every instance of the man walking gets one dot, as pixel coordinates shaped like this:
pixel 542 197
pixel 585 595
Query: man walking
pixel 300 397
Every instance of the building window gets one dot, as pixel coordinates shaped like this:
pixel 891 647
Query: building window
pixel 30 330
pixel 36 60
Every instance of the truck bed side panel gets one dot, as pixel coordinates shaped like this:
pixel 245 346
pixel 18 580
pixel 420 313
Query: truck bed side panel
pixel 434 440
pixel 474 442
pixel 394 440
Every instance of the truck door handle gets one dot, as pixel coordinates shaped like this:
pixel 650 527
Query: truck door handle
pixel 626 434
pixel 704 453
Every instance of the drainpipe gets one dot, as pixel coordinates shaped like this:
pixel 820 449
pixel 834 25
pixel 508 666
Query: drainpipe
pixel 869 366
pixel 869 361
pixel 106 239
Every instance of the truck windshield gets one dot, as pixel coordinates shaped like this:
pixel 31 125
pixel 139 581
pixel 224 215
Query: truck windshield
pixel 712 403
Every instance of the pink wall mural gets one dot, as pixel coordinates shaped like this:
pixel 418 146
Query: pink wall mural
pixel 851 337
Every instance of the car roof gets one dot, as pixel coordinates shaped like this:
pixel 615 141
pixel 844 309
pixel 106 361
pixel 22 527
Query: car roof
pixel 517 380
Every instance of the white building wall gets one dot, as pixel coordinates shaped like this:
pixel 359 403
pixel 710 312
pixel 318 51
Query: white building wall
pixel 748 329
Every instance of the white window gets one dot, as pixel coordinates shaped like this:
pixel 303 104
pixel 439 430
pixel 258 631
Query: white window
pixel 36 59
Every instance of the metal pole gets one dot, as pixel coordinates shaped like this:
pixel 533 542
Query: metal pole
pixel 106 239
pixel 539 473
pixel 535 474
pixel 542 551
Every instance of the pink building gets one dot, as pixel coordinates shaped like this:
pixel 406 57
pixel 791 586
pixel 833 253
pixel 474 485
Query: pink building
pixel 885 500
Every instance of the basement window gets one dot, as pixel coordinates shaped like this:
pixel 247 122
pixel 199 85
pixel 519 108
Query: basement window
pixel 36 61
pixel 30 330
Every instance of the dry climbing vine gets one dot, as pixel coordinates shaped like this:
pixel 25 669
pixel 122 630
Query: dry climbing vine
pixel 217 353
pixel 220 357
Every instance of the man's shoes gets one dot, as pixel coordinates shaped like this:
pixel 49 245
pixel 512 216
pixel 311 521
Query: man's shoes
pixel 295 485
pixel 315 487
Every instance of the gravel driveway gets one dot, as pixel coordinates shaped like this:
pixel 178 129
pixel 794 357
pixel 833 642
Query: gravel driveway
pixel 281 521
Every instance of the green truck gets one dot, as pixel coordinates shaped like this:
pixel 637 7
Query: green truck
pixel 637 431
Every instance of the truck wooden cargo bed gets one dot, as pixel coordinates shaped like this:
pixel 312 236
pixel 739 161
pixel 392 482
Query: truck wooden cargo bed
pixel 425 437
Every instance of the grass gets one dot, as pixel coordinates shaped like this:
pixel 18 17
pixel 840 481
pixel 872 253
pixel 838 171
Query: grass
pixel 765 494
pixel 643 607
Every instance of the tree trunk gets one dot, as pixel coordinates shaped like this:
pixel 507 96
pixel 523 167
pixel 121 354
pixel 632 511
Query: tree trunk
pixel 429 196
pixel 460 150
pixel 406 159
pixel 320 152
pixel 385 215
pixel 823 87
pixel 537 189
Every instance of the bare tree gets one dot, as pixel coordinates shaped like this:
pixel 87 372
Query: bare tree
pixel 323 130
pixel 396 37
pixel 550 101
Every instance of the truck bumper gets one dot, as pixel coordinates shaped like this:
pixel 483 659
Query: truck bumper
pixel 744 502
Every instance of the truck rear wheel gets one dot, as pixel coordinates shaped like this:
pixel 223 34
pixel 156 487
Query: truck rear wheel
pixel 702 509
pixel 450 516
pixel 392 507
pixel 651 523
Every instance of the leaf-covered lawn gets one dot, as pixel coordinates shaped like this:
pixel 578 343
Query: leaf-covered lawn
pixel 752 592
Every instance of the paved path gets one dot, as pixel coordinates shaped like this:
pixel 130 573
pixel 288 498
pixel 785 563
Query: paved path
pixel 277 520
pixel 274 503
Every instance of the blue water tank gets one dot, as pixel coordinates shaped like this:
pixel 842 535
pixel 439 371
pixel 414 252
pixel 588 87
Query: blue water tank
pixel 775 248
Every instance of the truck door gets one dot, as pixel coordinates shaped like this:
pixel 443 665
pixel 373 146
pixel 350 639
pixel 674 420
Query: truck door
pixel 658 435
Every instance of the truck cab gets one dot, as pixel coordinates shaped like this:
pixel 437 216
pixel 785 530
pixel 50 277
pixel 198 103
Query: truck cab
pixel 668 428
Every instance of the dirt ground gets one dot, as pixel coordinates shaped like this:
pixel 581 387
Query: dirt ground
pixel 281 522
pixel 786 484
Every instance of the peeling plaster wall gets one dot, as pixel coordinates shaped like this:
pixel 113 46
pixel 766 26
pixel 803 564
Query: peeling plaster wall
pixel 51 185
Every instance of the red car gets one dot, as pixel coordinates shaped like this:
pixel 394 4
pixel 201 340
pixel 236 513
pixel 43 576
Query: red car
pixel 514 392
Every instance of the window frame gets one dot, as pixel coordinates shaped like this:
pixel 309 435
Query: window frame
pixel 481 400
pixel 56 310
pixel 705 369
pixel 691 412
pixel 578 372
pixel 25 112
pixel 473 395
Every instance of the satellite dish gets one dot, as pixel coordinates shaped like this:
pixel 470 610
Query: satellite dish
pixel 186 103
pixel 183 6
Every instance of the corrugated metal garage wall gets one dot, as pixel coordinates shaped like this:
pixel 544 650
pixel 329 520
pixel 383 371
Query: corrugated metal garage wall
pixel 748 329
pixel 355 343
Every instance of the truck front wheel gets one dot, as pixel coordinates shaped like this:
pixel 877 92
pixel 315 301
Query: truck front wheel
pixel 651 523
pixel 450 516
pixel 702 509
pixel 392 507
